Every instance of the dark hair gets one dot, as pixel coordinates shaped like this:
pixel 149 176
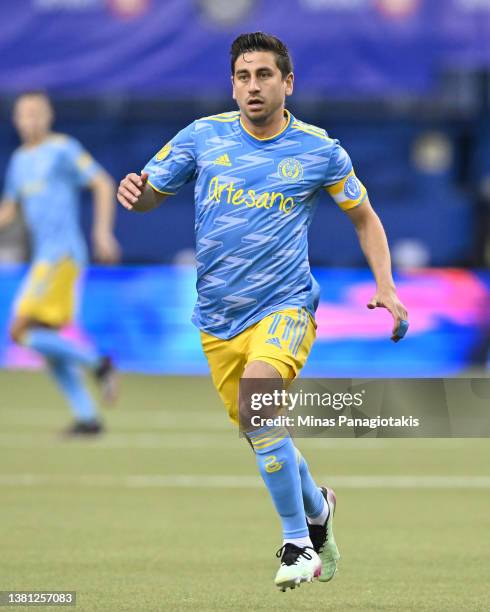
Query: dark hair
pixel 260 41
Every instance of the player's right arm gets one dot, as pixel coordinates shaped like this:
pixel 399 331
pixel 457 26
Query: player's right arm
pixel 136 194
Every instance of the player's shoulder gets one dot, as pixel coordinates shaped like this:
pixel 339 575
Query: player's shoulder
pixel 17 154
pixel 223 123
pixel 311 132
pixel 59 139
pixel 228 117
pixel 63 141
pixel 218 126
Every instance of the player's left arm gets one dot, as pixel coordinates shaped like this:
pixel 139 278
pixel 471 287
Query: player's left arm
pixel 88 173
pixel 106 247
pixel 10 197
pixel 374 244
pixel 351 196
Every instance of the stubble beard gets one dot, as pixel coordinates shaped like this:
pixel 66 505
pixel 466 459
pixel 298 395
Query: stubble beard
pixel 260 119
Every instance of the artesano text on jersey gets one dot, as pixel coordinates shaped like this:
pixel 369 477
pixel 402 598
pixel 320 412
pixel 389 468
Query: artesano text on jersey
pixel 255 200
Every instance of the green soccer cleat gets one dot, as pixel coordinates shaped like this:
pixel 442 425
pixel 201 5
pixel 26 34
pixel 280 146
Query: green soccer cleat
pixel 297 565
pixel 323 539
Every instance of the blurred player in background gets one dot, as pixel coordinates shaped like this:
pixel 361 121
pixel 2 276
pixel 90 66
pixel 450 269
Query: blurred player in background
pixel 258 172
pixel 45 176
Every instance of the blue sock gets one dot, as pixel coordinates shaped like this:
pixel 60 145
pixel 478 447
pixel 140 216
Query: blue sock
pixel 313 499
pixel 276 458
pixel 70 380
pixel 51 345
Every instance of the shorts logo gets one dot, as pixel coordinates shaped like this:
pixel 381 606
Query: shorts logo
pixel 274 341
pixel 164 152
pixel 290 170
pixel 352 188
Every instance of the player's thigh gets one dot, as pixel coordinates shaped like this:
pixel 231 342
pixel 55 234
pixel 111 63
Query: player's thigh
pixel 48 294
pixel 283 340
pixel 226 359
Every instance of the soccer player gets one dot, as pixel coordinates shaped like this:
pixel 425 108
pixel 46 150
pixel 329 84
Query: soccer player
pixel 44 176
pixel 258 173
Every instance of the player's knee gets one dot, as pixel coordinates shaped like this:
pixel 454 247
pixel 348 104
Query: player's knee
pixel 245 412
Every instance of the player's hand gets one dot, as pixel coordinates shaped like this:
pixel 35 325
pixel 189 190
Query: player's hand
pixel 106 248
pixel 387 298
pixel 131 188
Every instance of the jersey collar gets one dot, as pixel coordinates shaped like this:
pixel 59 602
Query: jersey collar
pixel 273 138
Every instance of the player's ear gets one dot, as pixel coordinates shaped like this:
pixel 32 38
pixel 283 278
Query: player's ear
pixel 233 87
pixel 50 116
pixel 289 84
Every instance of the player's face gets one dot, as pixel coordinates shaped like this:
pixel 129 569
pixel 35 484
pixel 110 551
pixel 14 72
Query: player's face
pixel 258 86
pixel 33 117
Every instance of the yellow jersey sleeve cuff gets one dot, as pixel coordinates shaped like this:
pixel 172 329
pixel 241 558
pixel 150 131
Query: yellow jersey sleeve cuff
pixel 159 190
pixel 348 192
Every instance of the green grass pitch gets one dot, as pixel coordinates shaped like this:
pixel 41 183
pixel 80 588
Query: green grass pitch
pixel 166 512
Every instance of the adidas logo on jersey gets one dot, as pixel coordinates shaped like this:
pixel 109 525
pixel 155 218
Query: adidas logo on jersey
pixel 274 341
pixel 222 160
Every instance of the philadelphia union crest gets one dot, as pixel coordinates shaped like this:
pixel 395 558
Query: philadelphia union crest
pixel 290 170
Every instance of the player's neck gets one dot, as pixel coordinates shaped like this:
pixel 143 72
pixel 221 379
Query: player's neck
pixel 267 130
pixel 35 141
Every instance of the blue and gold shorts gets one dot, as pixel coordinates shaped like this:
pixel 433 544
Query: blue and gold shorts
pixel 48 294
pixel 282 339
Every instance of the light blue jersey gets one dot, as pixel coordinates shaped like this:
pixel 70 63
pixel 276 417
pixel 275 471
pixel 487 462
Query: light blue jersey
pixel 255 200
pixel 46 180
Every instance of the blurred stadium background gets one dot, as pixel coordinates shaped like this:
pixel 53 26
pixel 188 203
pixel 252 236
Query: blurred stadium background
pixel 405 86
